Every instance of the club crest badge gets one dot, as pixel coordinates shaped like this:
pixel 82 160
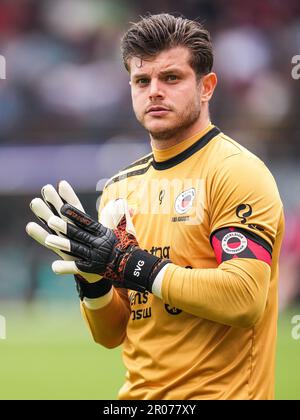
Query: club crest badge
pixel 234 243
pixel 184 201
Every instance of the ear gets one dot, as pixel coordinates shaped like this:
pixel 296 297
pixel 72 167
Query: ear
pixel 208 82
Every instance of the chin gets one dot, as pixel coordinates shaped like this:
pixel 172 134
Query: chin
pixel 158 127
pixel 163 134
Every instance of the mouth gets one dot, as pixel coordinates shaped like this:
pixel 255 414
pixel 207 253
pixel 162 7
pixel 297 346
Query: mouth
pixel 157 111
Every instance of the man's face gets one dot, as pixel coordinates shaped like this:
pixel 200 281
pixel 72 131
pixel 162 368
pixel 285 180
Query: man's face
pixel 166 96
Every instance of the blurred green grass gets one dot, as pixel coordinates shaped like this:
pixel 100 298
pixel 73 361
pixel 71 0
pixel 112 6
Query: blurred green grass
pixel 49 354
pixel 288 358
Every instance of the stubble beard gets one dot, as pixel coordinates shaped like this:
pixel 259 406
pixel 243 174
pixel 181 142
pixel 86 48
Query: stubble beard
pixel 184 120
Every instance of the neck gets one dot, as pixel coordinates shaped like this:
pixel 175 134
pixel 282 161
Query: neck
pixel 200 125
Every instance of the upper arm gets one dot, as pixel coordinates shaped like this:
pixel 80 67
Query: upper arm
pixel 244 200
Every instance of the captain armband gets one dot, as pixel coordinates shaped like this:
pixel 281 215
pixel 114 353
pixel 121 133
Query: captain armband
pixel 232 242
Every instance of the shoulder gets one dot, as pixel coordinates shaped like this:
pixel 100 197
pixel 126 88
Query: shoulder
pixel 238 172
pixel 123 183
pixel 229 155
pixel 136 168
pixel 225 147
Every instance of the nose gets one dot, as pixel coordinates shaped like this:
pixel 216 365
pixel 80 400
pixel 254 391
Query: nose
pixel 155 90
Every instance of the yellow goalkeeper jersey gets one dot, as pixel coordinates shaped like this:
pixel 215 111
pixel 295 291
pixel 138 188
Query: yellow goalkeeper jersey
pixel 202 203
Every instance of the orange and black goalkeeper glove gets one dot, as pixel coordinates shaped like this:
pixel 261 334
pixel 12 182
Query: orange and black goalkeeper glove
pixel 111 253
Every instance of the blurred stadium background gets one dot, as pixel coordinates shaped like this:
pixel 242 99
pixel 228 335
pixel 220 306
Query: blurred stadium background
pixel 65 113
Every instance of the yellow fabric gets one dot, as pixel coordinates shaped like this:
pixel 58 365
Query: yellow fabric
pixel 108 324
pixel 220 343
pixel 239 285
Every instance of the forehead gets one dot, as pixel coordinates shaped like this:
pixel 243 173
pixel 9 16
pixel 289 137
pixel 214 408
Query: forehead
pixel 177 57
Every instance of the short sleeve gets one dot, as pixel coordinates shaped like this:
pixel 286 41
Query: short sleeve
pixel 244 194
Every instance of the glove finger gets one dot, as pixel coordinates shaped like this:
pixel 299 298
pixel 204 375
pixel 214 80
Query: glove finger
pixel 39 234
pixel 63 244
pixel 87 267
pixel 68 195
pixel 71 231
pixel 36 232
pixel 113 213
pixel 41 210
pixel 124 211
pixel 83 220
pixel 69 267
pixel 64 267
pixel 52 199
pixel 58 224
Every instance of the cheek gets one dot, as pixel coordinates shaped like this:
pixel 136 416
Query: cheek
pixel 183 96
pixel 191 99
pixel 138 102
pixel 136 109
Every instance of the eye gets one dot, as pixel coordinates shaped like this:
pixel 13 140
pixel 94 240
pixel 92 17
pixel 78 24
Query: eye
pixel 143 81
pixel 171 77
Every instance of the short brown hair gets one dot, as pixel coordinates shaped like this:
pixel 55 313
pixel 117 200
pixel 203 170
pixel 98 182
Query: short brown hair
pixel 155 33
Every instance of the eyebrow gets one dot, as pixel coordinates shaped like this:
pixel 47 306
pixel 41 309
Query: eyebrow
pixel 161 73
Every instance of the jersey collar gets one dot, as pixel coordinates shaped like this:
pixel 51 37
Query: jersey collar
pixel 167 158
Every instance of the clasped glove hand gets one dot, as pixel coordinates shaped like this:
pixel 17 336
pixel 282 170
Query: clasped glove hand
pixel 88 285
pixel 111 253
pixel 48 207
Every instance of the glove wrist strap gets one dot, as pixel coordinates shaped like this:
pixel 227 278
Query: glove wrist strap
pixel 92 290
pixel 141 270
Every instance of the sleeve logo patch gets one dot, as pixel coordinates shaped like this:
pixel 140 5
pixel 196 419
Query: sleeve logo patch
pixel 234 243
pixel 243 211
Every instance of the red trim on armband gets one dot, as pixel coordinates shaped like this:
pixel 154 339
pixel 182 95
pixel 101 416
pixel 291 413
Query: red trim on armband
pixel 229 243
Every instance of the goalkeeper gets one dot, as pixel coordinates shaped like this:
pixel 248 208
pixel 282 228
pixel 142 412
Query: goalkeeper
pixel 182 267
